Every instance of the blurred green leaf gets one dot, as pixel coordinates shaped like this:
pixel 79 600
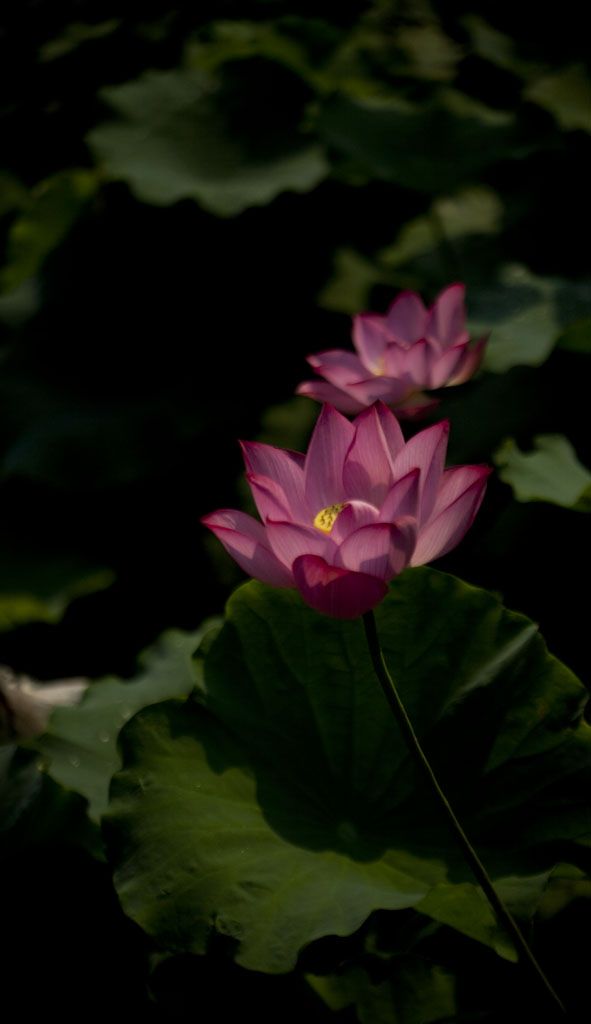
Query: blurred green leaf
pixel 524 314
pixel 74 35
pixel 567 883
pixel 80 744
pixel 38 586
pixel 431 54
pixel 472 211
pixel 20 304
pixel 431 147
pixel 521 317
pixel 240 40
pixel 497 47
pixel 287 808
pixel 53 207
pixel 173 141
pixel 354 276
pixel 577 336
pixel 414 993
pixel 566 94
pixel 551 472
pixel 13 194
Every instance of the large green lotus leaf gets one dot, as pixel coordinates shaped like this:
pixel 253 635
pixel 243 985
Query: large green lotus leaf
pixel 172 142
pixel 552 472
pixel 284 806
pixel 431 147
pixel 80 744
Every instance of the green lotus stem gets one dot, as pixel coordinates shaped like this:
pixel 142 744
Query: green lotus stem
pixel 503 914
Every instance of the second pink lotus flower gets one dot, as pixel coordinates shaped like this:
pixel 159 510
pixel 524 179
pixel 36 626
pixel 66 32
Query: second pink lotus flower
pixel 360 507
pixel 399 356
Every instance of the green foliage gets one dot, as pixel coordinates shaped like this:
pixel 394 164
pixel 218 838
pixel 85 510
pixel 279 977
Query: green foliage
pixel 174 142
pixel 567 95
pixel 577 336
pixel 524 314
pixel 35 810
pixel 240 40
pixel 293 758
pixel 414 992
pixel 470 211
pixel 80 744
pixel 38 587
pixel 431 147
pixel 52 209
pixel 521 316
pixel 420 250
pixel 552 472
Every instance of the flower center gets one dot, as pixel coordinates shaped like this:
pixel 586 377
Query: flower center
pixel 324 520
pixel 380 369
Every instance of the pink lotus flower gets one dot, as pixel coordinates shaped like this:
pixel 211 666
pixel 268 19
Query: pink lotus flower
pixel 341 521
pixel 399 355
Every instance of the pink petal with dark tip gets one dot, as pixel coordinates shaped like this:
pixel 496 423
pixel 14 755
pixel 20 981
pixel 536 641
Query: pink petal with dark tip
pixel 392 432
pixel 245 540
pixel 446 366
pixel 324 392
pixel 269 497
pixel 378 389
pixel 472 360
pixel 396 360
pixel 402 499
pixel 446 530
pixel 418 364
pixel 286 468
pixel 367 471
pixel 416 406
pixel 380 549
pixel 447 315
pixel 455 481
pixel 338 366
pixel 407 317
pixel 369 338
pixel 323 474
pixel 336 592
pixel 426 450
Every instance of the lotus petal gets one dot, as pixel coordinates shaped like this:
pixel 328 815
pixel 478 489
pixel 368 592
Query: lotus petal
pixel 334 591
pixel 246 541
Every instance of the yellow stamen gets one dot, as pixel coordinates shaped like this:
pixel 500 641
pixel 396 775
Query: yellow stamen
pixel 325 519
